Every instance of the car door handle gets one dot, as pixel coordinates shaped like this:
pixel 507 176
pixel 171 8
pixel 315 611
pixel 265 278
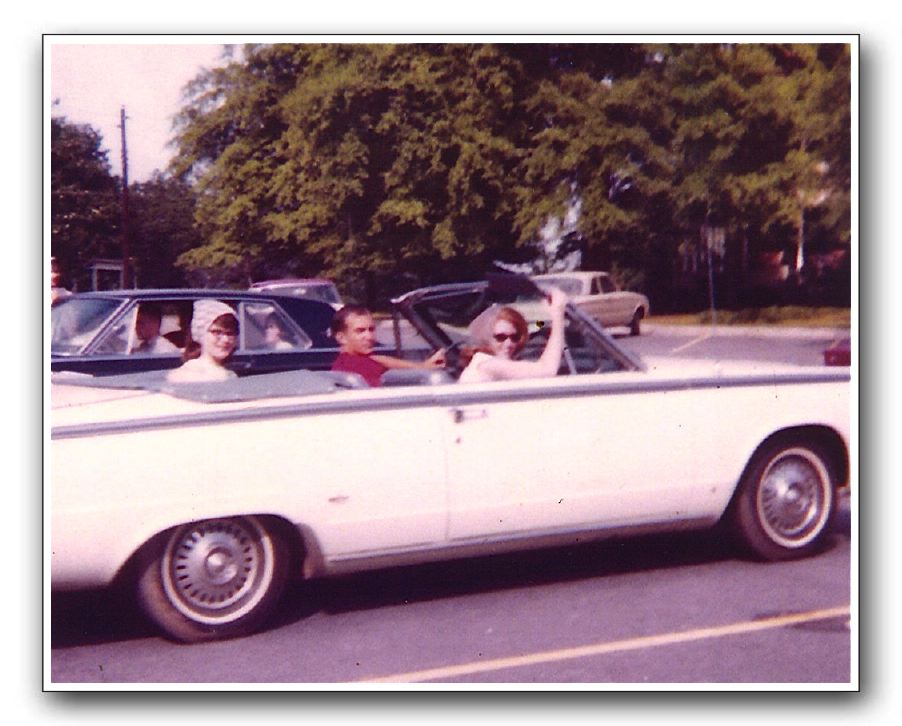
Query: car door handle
pixel 468 414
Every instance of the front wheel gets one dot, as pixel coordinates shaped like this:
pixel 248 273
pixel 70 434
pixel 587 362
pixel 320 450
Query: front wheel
pixel 786 500
pixel 636 322
pixel 217 578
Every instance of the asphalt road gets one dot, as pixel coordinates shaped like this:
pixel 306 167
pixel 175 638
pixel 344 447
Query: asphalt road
pixel 675 609
pixel 668 609
pixel 800 346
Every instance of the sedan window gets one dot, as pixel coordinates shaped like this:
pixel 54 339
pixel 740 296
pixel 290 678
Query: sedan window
pixel 264 327
pixel 147 328
pixel 119 338
pixel 75 321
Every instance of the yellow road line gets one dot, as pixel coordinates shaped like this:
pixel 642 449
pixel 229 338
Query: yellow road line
pixel 692 342
pixel 617 646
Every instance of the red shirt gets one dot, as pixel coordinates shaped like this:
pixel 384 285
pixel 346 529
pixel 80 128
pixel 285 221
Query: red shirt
pixel 362 365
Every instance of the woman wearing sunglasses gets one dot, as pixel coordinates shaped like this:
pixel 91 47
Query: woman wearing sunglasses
pixel 498 334
pixel 214 337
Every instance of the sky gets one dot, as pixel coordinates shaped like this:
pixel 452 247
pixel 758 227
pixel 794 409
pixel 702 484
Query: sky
pixel 94 81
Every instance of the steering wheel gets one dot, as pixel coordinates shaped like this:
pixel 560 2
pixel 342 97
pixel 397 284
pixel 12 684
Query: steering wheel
pixel 452 358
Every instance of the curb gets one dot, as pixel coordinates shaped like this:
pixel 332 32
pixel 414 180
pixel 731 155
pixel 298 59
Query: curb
pixel 758 331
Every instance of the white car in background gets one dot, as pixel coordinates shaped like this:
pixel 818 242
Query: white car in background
pixel 598 296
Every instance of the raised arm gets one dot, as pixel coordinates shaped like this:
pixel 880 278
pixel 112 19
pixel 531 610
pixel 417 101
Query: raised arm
pixel 549 362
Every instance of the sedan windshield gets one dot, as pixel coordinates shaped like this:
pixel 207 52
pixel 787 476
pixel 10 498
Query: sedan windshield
pixel 571 285
pixel 324 293
pixel 75 321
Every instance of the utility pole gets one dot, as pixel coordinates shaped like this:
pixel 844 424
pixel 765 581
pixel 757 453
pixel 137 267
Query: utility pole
pixel 126 251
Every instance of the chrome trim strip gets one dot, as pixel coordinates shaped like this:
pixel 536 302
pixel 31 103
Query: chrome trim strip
pixel 443 396
pixel 500 544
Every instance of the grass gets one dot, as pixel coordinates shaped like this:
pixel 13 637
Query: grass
pixel 789 316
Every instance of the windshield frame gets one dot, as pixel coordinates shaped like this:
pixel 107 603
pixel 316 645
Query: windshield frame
pixel 411 306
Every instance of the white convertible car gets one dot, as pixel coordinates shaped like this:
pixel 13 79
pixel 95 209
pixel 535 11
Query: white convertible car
pixel 206 498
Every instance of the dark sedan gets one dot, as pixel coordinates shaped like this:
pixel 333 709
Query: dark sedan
pixel 103 333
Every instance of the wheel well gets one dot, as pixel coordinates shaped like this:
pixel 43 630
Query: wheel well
pixel 297 546
pixel 828 440
pixel 297 550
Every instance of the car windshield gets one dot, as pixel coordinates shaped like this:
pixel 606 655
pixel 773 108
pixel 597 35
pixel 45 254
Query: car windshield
pixel 570 285
pixel 326 293
pixel 75 321
pixel 317 291
pixel 450 313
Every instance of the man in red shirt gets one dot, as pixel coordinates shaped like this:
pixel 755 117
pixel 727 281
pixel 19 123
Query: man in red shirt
pixel 355 330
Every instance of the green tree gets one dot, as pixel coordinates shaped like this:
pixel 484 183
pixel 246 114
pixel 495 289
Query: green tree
pixel 353 161
pixel 162 228
pixel 599 135
pixel 392 165
pixel 762 135
pixel 84 211
pixel 817 164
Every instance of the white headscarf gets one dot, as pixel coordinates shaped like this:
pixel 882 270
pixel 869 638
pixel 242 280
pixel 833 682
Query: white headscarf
pixel 205 312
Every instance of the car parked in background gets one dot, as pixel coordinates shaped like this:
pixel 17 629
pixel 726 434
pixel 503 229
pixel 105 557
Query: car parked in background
pixel 95 332
pixel 598 296
pixel 313 288
pixel 839 353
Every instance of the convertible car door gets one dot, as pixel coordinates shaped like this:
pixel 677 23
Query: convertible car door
pixel 569 453
pixel 373 475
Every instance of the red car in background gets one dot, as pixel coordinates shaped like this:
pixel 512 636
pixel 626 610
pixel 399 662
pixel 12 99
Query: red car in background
pixel 839 354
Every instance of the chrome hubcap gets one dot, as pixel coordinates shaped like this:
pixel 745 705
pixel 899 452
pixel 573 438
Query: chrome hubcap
pixel 794 498
pixel 215 571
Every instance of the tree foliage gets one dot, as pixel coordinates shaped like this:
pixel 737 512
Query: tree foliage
pixel 392 164
pixel 353 160
pixel 84 212
pixel 161 228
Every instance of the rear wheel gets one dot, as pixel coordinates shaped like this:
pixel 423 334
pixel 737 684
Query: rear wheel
pixel 786 500
pixel 217 578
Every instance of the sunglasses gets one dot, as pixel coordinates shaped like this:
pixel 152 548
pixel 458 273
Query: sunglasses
pixel 501 337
